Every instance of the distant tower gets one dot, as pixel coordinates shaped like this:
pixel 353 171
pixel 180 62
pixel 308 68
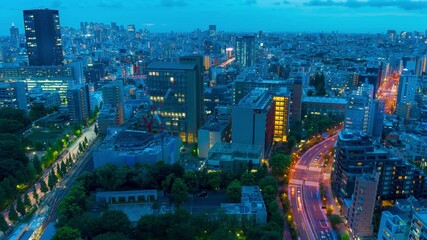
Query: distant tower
pixel 245 50
pixel 212 30
pixel 43 36
pixel 14 36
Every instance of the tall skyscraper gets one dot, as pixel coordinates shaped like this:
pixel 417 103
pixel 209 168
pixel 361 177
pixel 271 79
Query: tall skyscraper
pixel 245 50
pixel 14 36
pixel 357 113
pixel 43 36
pixel 78 103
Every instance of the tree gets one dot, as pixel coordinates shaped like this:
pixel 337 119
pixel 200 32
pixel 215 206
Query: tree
pixel 247 179
pixel 27 201
pixel 214 180
pixel 81 149
pixel 111 236
pixel 43 186
pixel 191 180
pixel 234 191
pixel 52 180
pixel 3 224
pixel 179 191
pixel 63 167
pixel 268 181
pixel 115 221
pixel 168 182
pixel 269 193
pixel 95 129
pixel 20 207
pixel 345 236
pixel 66 233
pixel 59 172
pixel 279 164
pixel 35 195
pixel 13 215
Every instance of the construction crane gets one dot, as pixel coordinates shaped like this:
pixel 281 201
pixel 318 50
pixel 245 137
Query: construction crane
pixel 155 111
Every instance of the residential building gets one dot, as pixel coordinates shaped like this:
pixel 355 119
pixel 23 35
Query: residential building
pixel 418 226
pixel 357 154
pixel 112 96
pixel 361 211
pixel 78 103
pixel 43 37
pixel 407 88
pixel 392 227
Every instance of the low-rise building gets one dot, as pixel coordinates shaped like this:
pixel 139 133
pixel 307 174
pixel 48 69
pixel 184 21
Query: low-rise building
pixel 251 209
pixel 233 157
pixel 127 147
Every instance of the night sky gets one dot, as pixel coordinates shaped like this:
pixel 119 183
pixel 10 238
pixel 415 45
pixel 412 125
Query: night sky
pixel 232 15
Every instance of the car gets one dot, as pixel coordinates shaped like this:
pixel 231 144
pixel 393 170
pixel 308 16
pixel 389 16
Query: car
pixel 317 157
pixel 202 194
pixel 299 190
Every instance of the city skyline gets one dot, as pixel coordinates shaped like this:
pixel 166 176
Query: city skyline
pixel 234 16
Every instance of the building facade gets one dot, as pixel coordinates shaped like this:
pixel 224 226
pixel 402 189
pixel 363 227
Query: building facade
pixel 392 227
pixel 78 103
pixel 175 90
pixel 253 120
pixel 14 95
pixel 245 50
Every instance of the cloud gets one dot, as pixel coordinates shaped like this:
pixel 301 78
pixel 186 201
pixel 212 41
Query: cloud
pixel 250 2
pixel 110 4
pixel 403 4
pixel 173 3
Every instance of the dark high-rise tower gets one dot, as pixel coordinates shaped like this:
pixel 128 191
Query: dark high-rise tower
pixel 245 50
pixel 14 36
pixel 43 36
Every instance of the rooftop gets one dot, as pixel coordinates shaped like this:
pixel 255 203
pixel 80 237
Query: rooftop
pixel 171 65
pixel 258 98
pixel 325 100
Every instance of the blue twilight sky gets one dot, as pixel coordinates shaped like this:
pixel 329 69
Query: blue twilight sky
pixel 232 15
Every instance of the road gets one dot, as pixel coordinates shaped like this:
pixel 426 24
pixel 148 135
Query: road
pixel 304 193
pixel 388 92
pixel 72 150
pixel 84 163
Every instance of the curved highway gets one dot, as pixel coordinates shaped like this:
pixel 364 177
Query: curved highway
pixel 304 193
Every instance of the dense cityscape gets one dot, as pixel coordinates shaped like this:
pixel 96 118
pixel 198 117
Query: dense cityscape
pixel 112 132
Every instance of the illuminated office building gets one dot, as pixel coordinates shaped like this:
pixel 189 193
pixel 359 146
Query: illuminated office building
pixel 50 79
pixel 176 90
pixel 14 95
pixel 43 37
pixel 14 36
